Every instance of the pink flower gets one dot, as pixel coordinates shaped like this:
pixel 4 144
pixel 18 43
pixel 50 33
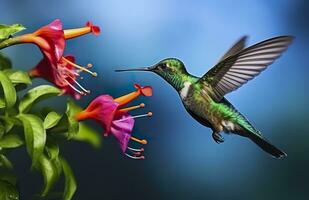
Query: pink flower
pixel 65 77
pixel 54 67
pixel 116 120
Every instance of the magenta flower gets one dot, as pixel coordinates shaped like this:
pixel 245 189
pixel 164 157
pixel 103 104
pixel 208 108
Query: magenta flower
pixel 54 67
pixel 116 120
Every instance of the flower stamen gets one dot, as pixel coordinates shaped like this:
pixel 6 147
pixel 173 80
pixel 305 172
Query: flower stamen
pixel 79 67
pixel 135 157
pixel 142 105
pixel 138 140
pixel 149 114
pixel 74 88
pixel 79 85
pixel 136 150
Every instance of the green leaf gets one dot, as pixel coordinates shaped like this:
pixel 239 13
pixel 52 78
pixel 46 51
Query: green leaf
pixel 37 94
pixel 35 135
pixel 2 130
pixel 5 62
pixel 51 170
pixel 8 90
pixel 18 77
pixel 6 170
pixel 52 149
pixel 2 102
pixel 5 163
pixel 8 191
pixel 8 122
pixel 87 134
pixel 11 140
pixel 8 30
pixel 51 120
pixel 71 111
pixel 70 182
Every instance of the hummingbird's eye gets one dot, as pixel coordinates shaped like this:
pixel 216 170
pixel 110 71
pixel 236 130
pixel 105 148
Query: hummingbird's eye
pixel 164 65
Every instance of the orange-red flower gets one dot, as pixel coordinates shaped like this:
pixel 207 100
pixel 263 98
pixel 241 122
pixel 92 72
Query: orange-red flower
pixel 116 120
pixel 54 67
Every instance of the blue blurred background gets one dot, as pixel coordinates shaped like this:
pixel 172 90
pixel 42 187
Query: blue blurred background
pixel 183 162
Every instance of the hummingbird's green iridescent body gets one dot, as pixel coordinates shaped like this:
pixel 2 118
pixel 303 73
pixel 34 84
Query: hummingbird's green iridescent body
pixel 204 98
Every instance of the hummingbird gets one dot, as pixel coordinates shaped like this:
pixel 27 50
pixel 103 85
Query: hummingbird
pixel 203 97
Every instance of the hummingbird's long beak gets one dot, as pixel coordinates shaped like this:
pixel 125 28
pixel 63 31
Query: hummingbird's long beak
pixel 136 69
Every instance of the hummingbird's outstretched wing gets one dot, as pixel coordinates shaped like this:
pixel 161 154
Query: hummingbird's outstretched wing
pixel 237 47
pixel 234 71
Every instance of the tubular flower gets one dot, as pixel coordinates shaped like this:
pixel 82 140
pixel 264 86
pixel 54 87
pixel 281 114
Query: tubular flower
pixel 64 77
pixel 116 120
pixel 54 67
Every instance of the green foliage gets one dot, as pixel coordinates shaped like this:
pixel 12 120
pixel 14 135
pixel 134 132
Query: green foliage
pixel 87 134
pixel 8 90
pixel 8 191
pixel 35 135
pixel 21 125
pixel 72 109
pixel 5 62
pixel 35 95
pixel 70 182
pixel 7 31
pixel 51 120
pixel 17 77
pixel 51 170
pixel 11 140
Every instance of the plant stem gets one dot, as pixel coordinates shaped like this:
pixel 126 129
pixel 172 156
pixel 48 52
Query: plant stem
pixel 9 42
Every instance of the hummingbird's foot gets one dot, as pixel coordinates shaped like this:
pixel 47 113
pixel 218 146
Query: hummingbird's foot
pixel 217 137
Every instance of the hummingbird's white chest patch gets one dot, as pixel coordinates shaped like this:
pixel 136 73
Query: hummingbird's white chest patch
pixel 184 91
pixel 228 126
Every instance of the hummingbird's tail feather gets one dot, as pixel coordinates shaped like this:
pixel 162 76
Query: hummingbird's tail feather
pixel 244 128
pixel 267 146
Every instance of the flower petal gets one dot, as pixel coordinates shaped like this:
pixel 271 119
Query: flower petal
pixel 54 36
pixel 94 29
pixel 103 109
pixel 56 24
pixel 146 91
pixel 121 128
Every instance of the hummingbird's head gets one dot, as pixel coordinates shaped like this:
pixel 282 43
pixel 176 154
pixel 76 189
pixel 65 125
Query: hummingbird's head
pixel 168 68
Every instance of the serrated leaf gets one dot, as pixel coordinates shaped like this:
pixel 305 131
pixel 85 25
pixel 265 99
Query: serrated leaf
pixel 18 77
pixel 51 120
pixel 37 94
pixel 8 191
pixel 71 111
pixel 51 170
pixel 35 135
pixel 11 140
pixel 70 182
pixel 5 62
pixel 87 134
pixel 8 90
pixel 8 30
